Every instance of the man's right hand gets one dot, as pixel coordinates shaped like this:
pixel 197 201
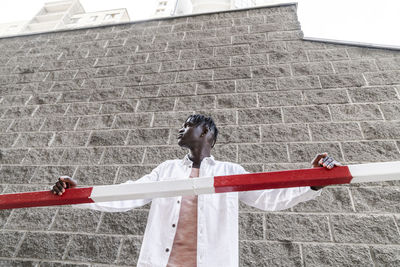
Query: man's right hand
pixel 63 183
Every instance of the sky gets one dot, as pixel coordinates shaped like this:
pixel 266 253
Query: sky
pixel 365 21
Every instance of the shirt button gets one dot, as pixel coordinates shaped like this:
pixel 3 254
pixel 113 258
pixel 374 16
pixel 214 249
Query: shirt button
pixel 167 250
pixel 178 202
pixel 173 225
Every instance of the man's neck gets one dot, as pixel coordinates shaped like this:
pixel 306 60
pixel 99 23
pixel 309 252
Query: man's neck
pixel 197 156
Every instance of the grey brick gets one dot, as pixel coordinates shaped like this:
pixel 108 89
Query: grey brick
pixel 260 116
pixel 147 47
pixel 46 98
pixel 75 96
pixel 192 26
pixel 121 60
pixel 60 86
pixel 210 63
pixel 269 27
pixel 123 106
pixel 270 71
pixel 78 156
pixel 194 75
pixel 163 56
pixel 130 251
pixel 237 101
pixel 297 227
pixel 159 78
pixel 141 91
pixel 327 55
pixel 197 53
pixel 336 96
pixel 43 246
pixel 123 155
pixel 386 255
pixel 381 130
pixel 313 68
pixel 96 175
pixel 59 123
pixel 17 263
pixel 302 82
pixel 16 174
pixel 156 104
pixel 248 60
pixel 68 139
pixel 108 138
pixel 284 35
pixel 33 140
pixel 229 31
pixel 251 226
pixel 267 47
pixel 279 98
pixel 178 65
pixel 391 111
pixel 177 89
pixel 225 152
pixel 357 66
pixel 373 94
pixel 5 124
pixel 9 241
pixel 12 156
pixel 129 121
pixel 143 68
pixel 234 50
pixel 19 112
pixel 121 223
pixel 368 151
pixel 106 94
pixel 306 152
pixel 306 114
pixel 61 75
pixel 263 153
pixel 7 140
pixel 195 102
pixel 288 57
pixel 133 172
pixel 4 215
pixel 304 45
pixel 51 110
pixel 93 248
pixel 362 52
pixel 252 20
pixel 95 122
pixel 152 136
pixel 170 119
pixel 218 23
pixel 335 131
pixel 382 78
pixel 355 112
pixel 284 133
pixel 156 155
pixel 376 199
pixel 342 80
pixel 15 100
pixel 378 229
pixel 232 73
pixel 50 174
pixel 220 117
pixel 76 220
pixel 336 255
pixel 31 219
pixel 256 85
pixel 269 254
pixel 43 156
pixel 241 134
pixel 388 63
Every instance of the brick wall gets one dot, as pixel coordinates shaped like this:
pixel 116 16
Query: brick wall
pixel 104 104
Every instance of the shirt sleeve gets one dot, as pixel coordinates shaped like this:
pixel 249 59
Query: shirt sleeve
pixel 125 205
pixel 277 199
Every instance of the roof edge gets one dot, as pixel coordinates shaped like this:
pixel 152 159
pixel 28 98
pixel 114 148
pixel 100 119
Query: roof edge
pixel 352 43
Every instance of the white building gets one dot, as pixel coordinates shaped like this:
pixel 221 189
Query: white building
pixel 165 8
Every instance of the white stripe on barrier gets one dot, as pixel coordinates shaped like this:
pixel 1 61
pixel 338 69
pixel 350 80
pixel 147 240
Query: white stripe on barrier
pixel 375 172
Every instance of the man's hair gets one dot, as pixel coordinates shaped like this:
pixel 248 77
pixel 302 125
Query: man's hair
pixel 197 119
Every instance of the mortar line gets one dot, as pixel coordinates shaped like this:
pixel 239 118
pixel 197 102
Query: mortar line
pixel 18 247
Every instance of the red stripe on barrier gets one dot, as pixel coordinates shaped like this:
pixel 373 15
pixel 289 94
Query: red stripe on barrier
pixel 45 198
pixel 282 179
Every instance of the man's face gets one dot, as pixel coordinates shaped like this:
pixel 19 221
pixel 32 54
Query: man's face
pixel 190 134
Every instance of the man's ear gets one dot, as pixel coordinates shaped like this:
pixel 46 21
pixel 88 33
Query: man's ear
pixel 205 130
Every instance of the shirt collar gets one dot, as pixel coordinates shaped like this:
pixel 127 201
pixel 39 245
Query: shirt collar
pixel 187 162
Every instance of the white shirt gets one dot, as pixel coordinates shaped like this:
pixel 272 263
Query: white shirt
pixel 217 226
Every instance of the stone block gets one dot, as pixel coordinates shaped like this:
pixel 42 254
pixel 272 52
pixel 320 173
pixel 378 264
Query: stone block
pixel 156 104
pixel 159 78
pixel 306 152
pixel 195 76
pixel 342 80
pixel 220 117
pixel 5 124
pixel 391 111
pixel 376 229
pixel 336 96
pixel 287 57
pixel 130 121
pixel 123 155
pixel 386 255
pixel 16 263
pixel 197 53
pixel 78 156
pixel 18 112
pixel 43 246
pixel 226 152
pixel 239 134
pixel 93 248
pixel 76 220
pixel 7 140
pixel 148 47
pixel 270 71
pixel 141 91
pixel 70 139
pixel 151 136
pixel 12 156
pixel 124 106
pixel 362 52
pixel 301 82
pixel 280 98
pixel 15 100
pixel 381 130
pixel 170 119
pixel 297 227
pixel 163 56
pixel 45 98
pixel 32 140
pixel 327 55
pixel 370 151
pixel 96 175
pixel 284 133
pixel 335 131
pixel 251 226
pixel 9 241
pixel 95 122
pixel 254 253
pixel 124 223
pixel 355 112
pixel 354 66
pixel 232 73
pixel 237 101
pixel 267 47
pixel 16 174
pixel 50 174
pixel 373 94
pixel 336 255
pixel 157 155
pixel 133 172
pixel 383 78
pixel 211 63
pixel 306 114
pixel 259 116
pixel 254 85
pixel 4 215
pixel 106 94
pixel 121 60
pixel 312 68
pixel 332 200
pixel 376 199
pixel 75 96
pixel 43 156
pixel 284 35
pixel 143 68
pixel 59 124
pixel 254 153
pixel 108 138
pixel 61 86
pixel 177 89
pixel 234 50
pixel 216 87
pixel 249 60
pixel 31 219
pixel 51 110
pixel 388 63
pixel 62 75
pixel 178 65
pixel 130 250
pixel 195 102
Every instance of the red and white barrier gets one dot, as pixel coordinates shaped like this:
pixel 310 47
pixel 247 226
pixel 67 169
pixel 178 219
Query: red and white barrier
pixel 372 172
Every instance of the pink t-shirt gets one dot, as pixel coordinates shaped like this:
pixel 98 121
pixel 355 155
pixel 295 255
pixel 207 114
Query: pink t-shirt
pixel 184 249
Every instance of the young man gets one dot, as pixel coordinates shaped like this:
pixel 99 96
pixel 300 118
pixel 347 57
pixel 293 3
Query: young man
pixel 198 230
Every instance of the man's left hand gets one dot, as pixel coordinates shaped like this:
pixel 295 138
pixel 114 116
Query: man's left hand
pixel 323 160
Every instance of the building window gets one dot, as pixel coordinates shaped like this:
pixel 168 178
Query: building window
pixel 160 10
pixel 162 3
